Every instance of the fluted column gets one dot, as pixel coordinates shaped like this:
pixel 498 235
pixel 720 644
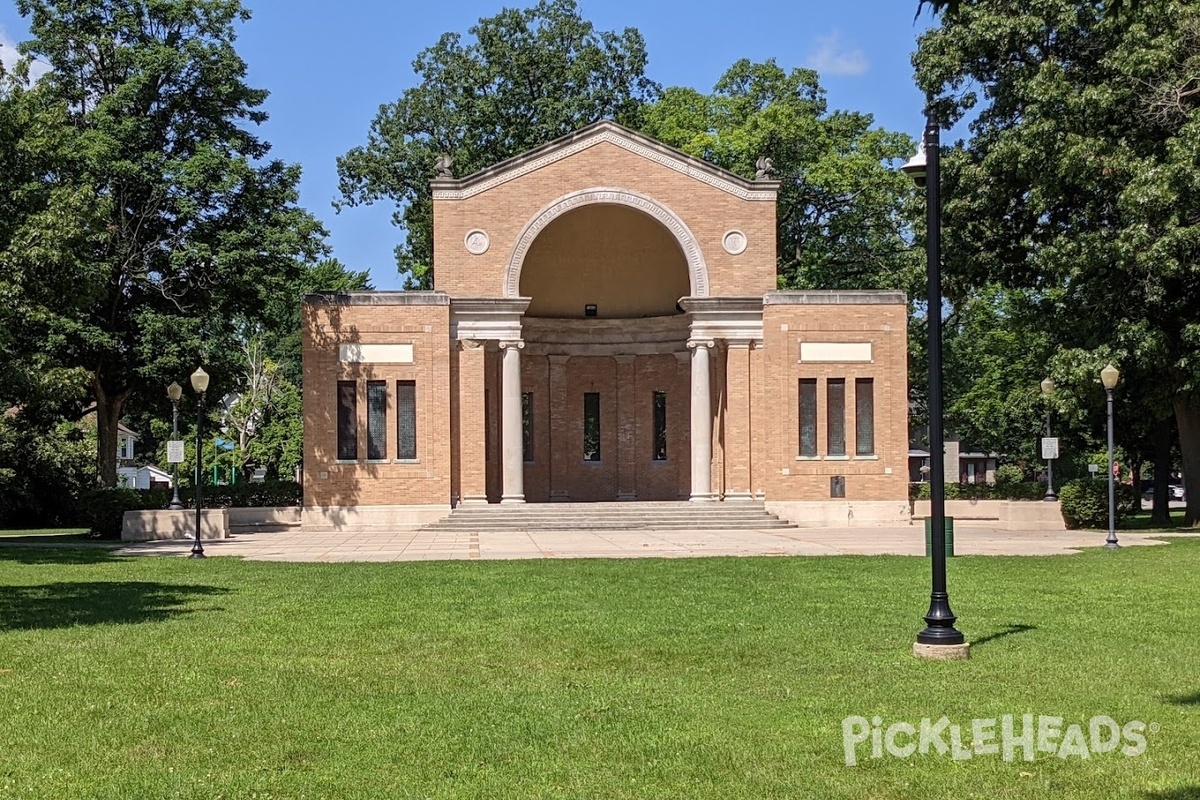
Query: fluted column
pixel 701 421
pixel 512 455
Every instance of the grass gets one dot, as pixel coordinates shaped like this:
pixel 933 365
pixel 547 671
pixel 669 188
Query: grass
pixel 39 532
pixel 698 678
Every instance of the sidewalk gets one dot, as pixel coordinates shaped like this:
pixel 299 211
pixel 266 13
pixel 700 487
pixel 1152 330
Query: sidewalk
pixel 440 545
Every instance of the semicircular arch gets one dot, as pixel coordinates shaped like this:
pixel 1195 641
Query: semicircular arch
pixel 697 269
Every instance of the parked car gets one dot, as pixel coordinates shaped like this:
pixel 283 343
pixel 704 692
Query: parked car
pixel 1175 492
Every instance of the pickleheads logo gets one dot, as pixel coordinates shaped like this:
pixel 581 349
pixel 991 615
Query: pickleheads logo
pixel 1006 737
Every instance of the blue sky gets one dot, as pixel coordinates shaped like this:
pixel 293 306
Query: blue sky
pixel 328 67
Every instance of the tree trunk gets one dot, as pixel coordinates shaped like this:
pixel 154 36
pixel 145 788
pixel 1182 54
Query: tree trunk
pixel 1162 473
pixel 1188 418
pixel 108 414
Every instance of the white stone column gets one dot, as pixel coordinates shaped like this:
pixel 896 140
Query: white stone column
pixel 701 422
pixel 512 453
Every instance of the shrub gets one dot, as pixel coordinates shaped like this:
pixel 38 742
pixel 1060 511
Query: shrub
pixel 1009 474
pixel 1025 490
pixel 1084 503
pixel 102 509
pixel 252 495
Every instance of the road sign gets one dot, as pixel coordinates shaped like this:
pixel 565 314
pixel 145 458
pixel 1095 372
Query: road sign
pixel 174 452
pixel 1093 468
pixel 1049 447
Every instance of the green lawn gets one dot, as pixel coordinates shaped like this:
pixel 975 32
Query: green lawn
pixel 700 678
pixel 6 533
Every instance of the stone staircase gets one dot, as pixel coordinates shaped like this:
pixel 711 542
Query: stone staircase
pixel 630 516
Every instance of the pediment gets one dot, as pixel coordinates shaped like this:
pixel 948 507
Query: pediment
pixel 612 133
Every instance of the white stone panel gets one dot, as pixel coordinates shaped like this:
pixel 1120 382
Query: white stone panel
pixel 840 352
pixel 375 353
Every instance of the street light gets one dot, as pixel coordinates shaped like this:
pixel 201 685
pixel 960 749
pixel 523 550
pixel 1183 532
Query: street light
pixel 925 170
pixel 1048 391
pixel 1109 377
pixel 200 386
pixel 175 391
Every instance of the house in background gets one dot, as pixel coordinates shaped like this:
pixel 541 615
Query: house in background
pixel 129 474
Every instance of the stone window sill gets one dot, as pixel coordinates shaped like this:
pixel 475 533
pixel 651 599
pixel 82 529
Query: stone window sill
pixel 346 461
pixel 407 461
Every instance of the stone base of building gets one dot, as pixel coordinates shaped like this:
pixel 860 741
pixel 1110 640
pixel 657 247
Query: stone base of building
pixel 841 513
pixel 148 526
pixel 358 518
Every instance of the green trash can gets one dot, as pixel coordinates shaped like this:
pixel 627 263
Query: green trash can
pixel 929 537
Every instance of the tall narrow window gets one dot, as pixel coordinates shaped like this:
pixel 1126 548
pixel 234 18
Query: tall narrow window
pixel 808 417
pixel 864 416
pixel 527 427
pixel 376 420
pixel 591 426
pixel 835 408
pixel 347 420
pixel 406 420
pixel 660 426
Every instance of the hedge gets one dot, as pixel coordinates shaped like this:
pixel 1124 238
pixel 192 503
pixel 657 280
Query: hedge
pixel 1027 490
pixel 102 510
pixel 1084 503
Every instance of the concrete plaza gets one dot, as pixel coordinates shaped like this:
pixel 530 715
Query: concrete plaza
pixel 453 545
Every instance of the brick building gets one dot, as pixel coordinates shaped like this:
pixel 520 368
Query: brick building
pixel 604 326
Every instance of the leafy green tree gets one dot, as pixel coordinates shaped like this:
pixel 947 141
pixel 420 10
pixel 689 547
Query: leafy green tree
pixel 527 76
pixel 159 220
pixel 845 213
pixel 1080 184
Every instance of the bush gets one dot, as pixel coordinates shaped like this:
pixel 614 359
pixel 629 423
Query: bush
pixel 252 495
pixel 1025 490
pixel 102 509
pixel 1084 503
pixel 1009 474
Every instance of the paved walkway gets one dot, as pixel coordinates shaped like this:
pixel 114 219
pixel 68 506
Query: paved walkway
pixel 442 545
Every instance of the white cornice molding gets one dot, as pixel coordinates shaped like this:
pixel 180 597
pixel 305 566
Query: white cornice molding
pixel 618 136
pixel 487 318
pixel 732 319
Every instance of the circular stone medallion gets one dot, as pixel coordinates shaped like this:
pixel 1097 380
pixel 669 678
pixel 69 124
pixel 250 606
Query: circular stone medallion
pixel 477 242
pixel 734 243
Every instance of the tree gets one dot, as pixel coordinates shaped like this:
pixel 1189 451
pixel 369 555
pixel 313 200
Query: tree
pixel 1080 184
pixel 845 214
pixel 159 219
pixel 527 77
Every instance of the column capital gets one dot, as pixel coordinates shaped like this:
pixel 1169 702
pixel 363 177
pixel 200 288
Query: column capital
pixel 707 343
pixel 558 359
pixel 470 344
pixel 625 359
pixel 506 344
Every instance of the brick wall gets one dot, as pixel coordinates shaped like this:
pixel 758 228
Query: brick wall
pixel 330 483
pixel 782 474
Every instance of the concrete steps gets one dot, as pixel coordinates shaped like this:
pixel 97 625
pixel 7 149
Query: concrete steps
pixel 664 516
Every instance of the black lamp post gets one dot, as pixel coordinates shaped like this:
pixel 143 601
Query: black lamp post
pixel 1048 391
pixel 925 170
pixel 175 391
pixel 200 385
pixel 1109 377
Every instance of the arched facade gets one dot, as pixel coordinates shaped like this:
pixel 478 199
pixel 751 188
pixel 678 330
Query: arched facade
pixel 604 326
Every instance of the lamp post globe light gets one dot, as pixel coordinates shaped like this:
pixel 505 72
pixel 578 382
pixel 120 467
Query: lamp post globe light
pixel 200 386
pixel 174 392
pixel 1109 376
pixel 1048 392
pixel 939 639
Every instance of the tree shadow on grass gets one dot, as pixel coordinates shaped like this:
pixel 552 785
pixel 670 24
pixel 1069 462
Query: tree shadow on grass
pixel 1182 793
pixel 75 553
pixel 1009 631
pixel 1192 699
pixel 65 605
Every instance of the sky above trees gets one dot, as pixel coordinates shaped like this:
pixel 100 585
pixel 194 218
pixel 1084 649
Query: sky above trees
pixel 327 73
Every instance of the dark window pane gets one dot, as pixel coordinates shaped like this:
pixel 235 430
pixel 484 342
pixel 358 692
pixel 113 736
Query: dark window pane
pixel 347 420
pixel 835 404
pixel 864 416
pixel 527 426
pixel 808 417
pixel 660 426
pixel 406 420
pixel 591 426
pixel 376 419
